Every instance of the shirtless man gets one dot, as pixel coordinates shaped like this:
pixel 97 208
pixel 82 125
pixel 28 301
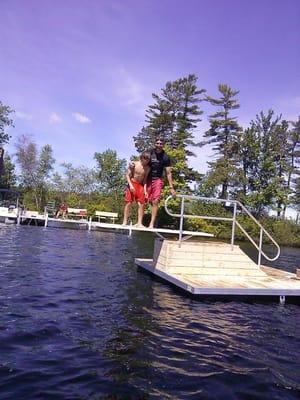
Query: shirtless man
pixel 136 176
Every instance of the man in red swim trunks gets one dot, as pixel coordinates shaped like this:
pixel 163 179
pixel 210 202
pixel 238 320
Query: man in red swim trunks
pixel 159 161
pixel 136 176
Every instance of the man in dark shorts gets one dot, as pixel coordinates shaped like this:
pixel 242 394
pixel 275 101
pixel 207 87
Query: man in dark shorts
pixel 159 161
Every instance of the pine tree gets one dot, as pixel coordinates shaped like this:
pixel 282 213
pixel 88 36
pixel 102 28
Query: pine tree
pixel 174 116
pixel 282 163
pixel 249 153
pixel 5 121
pixel 296 195
pixel 294 160
pixel 224 134
pixel 266 174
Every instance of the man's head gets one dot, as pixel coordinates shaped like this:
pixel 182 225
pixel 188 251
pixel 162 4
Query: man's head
pixel 145 158
pixel 159 144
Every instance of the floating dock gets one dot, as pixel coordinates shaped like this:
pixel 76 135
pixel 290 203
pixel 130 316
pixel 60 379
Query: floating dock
pixel 35 218
pixel 218 269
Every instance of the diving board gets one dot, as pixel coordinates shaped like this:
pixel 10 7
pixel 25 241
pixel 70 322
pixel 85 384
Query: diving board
pixel 130 228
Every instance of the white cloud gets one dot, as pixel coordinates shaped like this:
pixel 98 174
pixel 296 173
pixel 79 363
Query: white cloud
pixel 55 118
pixel 83 119
pixel 23 115
pixel 119 88
pixel 130 91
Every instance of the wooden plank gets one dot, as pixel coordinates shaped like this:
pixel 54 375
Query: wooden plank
pixel 215 271
pixel 219 259
pixel 145 229
pixel 225 263
pixel 277 272
pixel 191 253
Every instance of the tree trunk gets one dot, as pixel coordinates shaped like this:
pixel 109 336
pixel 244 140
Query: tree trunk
pixel 36 200
pixel 224 190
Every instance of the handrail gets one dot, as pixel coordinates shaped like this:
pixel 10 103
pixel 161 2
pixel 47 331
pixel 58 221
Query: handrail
pixel 234 221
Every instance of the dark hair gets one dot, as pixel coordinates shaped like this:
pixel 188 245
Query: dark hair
pixel 145 154
pixel 161 139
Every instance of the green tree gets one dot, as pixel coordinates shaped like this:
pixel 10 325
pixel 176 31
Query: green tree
pixel 282 150
pixel 249 152
pixel 296 195
pixel 8 179
pixel 224 134
pixel 5 121
pixel 294 161
pixel 174 116
pixel 266 175
pixel 182 174
pixel 35 168
pixel 110 173
pixel 79 180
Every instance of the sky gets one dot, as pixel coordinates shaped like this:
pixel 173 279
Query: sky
pixel 80 74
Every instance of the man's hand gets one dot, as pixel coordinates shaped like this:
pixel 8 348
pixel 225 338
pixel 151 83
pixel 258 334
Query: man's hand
pixel 132 189
pixel 172 191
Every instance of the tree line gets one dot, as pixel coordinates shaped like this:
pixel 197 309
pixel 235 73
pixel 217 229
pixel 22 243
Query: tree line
pixel 259 164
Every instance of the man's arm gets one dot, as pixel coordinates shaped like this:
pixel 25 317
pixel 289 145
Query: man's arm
pixel 170 180
pixel 129 175
pixel 145 180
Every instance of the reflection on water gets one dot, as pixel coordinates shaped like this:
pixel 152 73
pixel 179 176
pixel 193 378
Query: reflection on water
pixel 79 321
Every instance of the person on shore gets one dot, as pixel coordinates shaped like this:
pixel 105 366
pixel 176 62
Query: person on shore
pixel 62 211
pixel 160 161
pixel 136 176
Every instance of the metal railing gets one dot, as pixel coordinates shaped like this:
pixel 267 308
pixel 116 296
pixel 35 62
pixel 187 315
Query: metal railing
pixel 234 221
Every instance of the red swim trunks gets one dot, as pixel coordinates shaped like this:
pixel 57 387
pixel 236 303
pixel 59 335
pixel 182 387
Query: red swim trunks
pixel 154 189
pixel 138 194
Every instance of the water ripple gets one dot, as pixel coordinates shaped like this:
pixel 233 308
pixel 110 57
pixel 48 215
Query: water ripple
pixel 78 321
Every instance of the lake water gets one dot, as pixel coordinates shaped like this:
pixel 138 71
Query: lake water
pixel 79 321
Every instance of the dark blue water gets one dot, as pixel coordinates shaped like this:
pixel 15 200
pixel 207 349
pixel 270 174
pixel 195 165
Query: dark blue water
pixel 79 321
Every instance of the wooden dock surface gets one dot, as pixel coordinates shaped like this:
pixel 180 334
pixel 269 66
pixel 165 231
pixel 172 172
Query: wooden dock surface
pixel 213 269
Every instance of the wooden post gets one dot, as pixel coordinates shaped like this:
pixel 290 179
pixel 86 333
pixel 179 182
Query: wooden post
pixel 46 220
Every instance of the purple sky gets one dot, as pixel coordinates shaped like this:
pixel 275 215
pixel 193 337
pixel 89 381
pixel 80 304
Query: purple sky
pixel 80 73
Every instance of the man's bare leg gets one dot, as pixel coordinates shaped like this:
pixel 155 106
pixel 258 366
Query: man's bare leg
pixel 127 210
pixel 153 213
pixel 140 215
